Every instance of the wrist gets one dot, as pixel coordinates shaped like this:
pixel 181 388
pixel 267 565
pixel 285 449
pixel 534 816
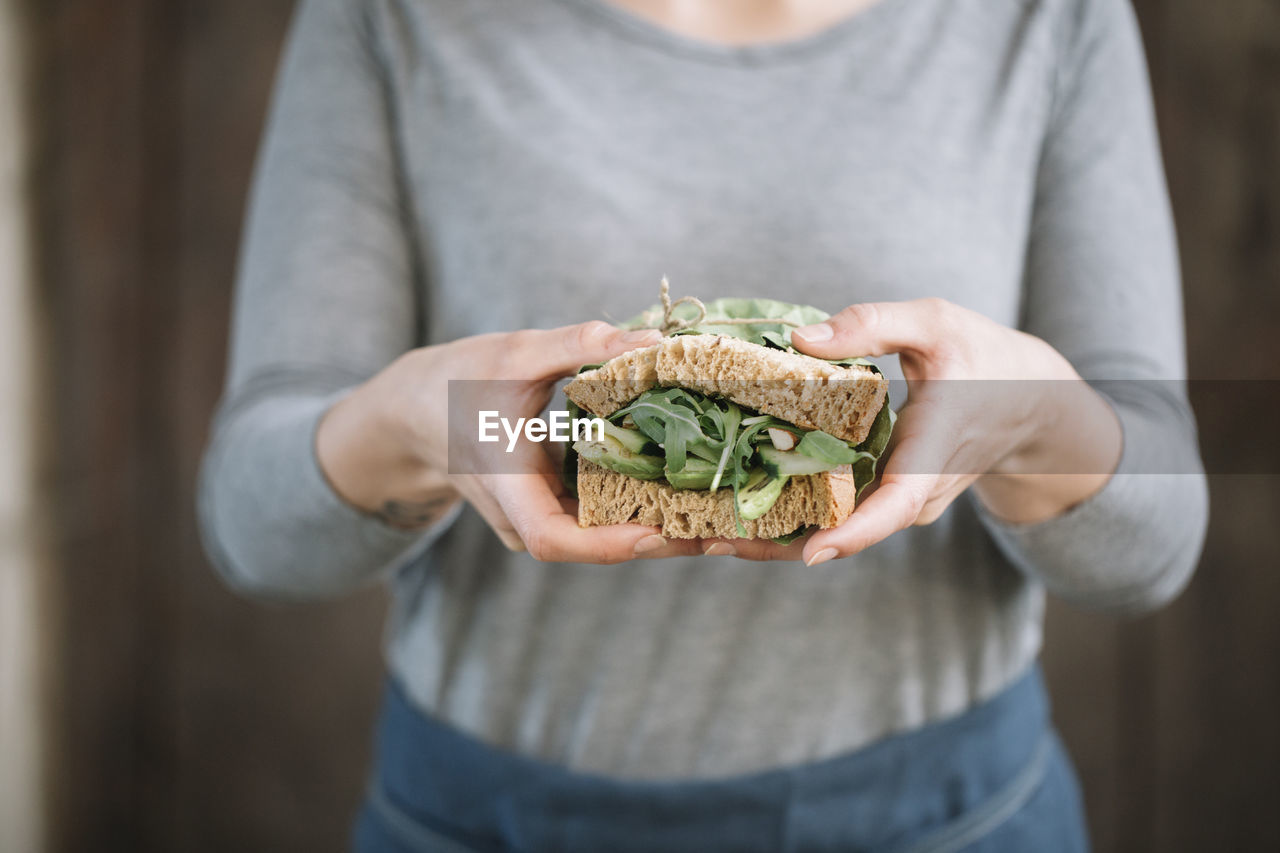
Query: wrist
pixel 1066 442
pixel 1033 429
pixel 1070 458
pixel 364 452
pixel 1044 411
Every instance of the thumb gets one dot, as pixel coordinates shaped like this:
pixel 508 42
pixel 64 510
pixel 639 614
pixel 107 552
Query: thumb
pixel 874 328
pixel 559 352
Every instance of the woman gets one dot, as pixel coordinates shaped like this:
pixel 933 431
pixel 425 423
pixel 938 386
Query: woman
pixel 977 184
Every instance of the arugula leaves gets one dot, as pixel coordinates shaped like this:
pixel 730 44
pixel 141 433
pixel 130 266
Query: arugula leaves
pixel 685 423
pixel 697 432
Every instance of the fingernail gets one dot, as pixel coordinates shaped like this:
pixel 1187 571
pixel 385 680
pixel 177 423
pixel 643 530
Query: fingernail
pixel 640 336
pixel 815 333
pixel 650 543
pixel 821 557
pixel 720 549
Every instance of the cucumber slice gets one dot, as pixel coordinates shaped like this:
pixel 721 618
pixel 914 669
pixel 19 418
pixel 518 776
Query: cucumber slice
pixel 790 463
pixel 632 439
pixel 696 474
pixel 759 494
pixel 611 454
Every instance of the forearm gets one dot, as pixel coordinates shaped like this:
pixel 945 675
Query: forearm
pixel 271 521
pixel 1102 286
pixel 1134 543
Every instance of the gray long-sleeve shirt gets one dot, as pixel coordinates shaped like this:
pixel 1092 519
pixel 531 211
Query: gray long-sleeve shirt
pixel 435 169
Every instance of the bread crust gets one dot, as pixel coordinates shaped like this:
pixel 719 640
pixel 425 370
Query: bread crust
pixel 615 383
pixel 802 390
pixel 607 497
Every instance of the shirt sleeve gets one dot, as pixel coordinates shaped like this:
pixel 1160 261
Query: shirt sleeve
pixel 327 294
pixel 1103 287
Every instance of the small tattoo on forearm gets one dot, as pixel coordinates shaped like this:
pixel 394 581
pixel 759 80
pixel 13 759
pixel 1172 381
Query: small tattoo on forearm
pixel 411 515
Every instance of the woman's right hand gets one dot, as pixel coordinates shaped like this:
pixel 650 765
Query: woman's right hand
pixel 385 447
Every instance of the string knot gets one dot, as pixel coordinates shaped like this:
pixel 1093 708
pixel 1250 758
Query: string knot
pixel 671 323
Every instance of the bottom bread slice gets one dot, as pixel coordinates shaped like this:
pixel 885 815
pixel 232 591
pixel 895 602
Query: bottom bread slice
pixel 607 497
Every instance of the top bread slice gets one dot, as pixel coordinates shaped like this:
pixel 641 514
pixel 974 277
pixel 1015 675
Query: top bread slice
pixel 802 390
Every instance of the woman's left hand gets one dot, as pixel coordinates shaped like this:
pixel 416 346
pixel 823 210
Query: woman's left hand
pixel 1035 445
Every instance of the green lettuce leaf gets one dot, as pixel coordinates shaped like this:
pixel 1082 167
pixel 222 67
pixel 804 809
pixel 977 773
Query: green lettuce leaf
pixel 827 448
pixel 788 538
pixel 773 335
pixel 881 429
pixel 569 464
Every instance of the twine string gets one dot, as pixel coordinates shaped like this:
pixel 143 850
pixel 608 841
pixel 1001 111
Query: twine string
pixel 672 324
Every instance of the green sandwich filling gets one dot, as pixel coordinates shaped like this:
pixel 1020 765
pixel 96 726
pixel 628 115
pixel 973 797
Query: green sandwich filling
pixel 694 441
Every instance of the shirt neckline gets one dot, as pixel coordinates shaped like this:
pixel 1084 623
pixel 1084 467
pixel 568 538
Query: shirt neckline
pixel 859 24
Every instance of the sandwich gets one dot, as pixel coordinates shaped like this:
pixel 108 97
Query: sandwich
pixel 724 429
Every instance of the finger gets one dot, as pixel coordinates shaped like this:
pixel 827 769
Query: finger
pixel 552 535
pixel 552 353
pixel 895 506
pixel 911 478
pixel 877 328
pixel 553 472
pixel 489 510
pixel 944 496
pixel 753 549
pixel 673 548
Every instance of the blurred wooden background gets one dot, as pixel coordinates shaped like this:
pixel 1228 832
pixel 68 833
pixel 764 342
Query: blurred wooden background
pixel 191 720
